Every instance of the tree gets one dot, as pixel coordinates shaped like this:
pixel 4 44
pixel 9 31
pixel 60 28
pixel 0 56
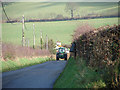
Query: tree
pixel 51 46
pixel 71 7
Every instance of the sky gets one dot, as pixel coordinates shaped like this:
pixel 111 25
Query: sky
pixel 59 0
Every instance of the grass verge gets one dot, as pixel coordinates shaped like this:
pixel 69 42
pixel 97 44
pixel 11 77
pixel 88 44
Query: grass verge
pixel 77 75
pixel 21 63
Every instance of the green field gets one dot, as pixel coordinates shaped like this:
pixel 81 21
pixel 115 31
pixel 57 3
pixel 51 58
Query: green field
pixel 43 10
pixel 58 30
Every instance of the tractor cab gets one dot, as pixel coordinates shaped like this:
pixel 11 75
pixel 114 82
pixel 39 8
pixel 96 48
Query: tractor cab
pixel 61 50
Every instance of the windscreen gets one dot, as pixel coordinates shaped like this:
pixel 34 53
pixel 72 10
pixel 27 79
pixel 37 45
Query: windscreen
pixel 61 50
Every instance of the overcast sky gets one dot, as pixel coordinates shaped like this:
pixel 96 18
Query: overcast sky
pixel 60 0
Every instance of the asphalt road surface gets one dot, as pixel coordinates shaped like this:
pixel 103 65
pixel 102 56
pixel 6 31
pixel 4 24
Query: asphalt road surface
pixel 38 76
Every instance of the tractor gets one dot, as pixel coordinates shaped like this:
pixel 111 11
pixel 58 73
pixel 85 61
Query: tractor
pixel 61 53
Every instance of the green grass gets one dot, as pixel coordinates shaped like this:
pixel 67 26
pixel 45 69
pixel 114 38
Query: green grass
pixel 21 63
pixel 40 10
pixel 78 75
pixel 58 30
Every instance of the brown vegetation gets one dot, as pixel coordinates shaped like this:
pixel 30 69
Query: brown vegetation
pixel 10 51
pixel 82 30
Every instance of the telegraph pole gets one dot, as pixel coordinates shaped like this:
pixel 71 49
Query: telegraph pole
pixel 23 36
pixel 33 35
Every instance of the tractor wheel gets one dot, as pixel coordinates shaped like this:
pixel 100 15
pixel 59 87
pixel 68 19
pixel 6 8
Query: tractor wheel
pixel 65 57
pixel 57 58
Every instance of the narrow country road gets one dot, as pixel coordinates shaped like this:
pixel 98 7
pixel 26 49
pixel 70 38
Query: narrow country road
pixel 37 76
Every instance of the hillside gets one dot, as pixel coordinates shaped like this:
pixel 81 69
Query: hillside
pixel 58 30
pixel 45 10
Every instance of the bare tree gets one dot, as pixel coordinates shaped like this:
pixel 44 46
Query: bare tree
pixel 71 7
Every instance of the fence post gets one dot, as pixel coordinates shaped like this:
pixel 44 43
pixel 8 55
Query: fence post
pixel 33 35
pixel 23 36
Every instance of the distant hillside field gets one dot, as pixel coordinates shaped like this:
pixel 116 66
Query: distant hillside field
pixel 58 30
pixel 49 10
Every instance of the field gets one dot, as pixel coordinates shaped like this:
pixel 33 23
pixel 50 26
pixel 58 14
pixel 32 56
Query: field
pixel 38 10
pixel 58 30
